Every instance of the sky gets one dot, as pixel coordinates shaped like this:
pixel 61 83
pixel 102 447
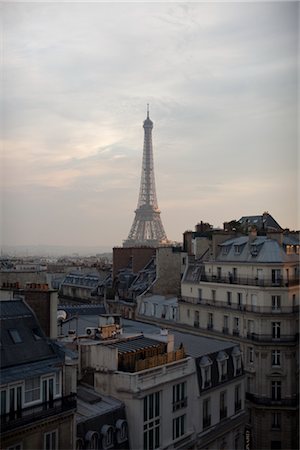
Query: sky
pixel 221 81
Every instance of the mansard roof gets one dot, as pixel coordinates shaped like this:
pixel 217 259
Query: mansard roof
pixel 259 250
pixel 22 339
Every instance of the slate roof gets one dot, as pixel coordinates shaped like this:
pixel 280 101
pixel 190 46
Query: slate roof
pixel 262 222
pixel 31 345
pixel 268 251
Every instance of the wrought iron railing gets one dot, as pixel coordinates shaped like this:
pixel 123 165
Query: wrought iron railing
pixel 34 413
pixel 268 401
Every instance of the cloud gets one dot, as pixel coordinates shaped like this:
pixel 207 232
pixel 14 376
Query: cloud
pixel 221 80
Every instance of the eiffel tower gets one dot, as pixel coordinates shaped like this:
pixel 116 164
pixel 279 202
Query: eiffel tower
pixel 147 228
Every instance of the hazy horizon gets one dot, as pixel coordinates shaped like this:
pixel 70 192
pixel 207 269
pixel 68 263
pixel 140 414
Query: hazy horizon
pixel 221 80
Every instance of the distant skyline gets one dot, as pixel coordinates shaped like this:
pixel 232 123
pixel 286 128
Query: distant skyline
pixel 221 81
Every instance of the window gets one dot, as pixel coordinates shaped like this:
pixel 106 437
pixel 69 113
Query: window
pixel 253 249
pixel 205 365
pixel 275 445
pixel 122 430
pixel 222 358
pixel 229 295
pixel 32 389
pixel 237 249
pixel 107 433
pixel 50 440
pixel 276 390
pixel 237 398
pixel 276 276
pixel 225 324
pixel 237 361
pixel 276 330
pixel 239 298
pixel 206 413
pixel 213 295
pixel 276 302
pixel 92 439
pixel 276 420
pixel 234 270
pixel 199 295
pixel 275 357
pixel 36 332
pixel 3 402
pixel 18 446
pixel 179 426
pixel 250 355
pixel 57 383
pixel 236 326
pixel 225 249
pixel 188 313
pixel 223 405
pixel 179 396
pixel 152 421
pixel 15 336
pixel 219 272
pixel 210 323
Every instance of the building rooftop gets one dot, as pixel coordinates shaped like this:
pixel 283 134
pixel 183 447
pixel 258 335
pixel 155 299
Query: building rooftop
pixel 92 404
pixel 22 339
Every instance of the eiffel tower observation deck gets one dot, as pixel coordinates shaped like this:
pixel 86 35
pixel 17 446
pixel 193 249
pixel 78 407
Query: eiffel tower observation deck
pixel 147 228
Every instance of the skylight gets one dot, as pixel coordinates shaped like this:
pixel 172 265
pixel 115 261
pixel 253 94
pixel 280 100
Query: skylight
pixel 15 336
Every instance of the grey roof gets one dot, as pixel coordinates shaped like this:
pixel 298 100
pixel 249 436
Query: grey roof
pixel 91 404
pixel 81 279
pixel 264 221
pixel 268 251
pixel 17 319
pixel 23 371
pixel 194 345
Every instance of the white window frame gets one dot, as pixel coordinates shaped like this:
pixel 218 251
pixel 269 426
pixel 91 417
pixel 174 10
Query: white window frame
pixel 205 371
pixel 222 359
pixel 36 389
pixel 181 428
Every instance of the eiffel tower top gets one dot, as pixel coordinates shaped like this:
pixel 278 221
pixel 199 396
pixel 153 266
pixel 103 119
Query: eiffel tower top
pixel 147 228
pixel 148 122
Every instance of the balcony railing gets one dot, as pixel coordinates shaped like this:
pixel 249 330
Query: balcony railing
pixel 271 338
pixel 268 401
pixel 239 307
pixel 250 281
pixel 34 413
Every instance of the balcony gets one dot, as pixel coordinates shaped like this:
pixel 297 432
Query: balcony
pixel 235 332
pixel 239 307
pixel 250 281
pixel 225 330
pixel 38 412
pixel 268 401
pixel 270 338
pixel 206 421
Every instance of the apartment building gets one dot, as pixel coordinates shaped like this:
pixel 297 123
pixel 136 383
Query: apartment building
pixel 37 406
pixel 179 390
pixel 247 290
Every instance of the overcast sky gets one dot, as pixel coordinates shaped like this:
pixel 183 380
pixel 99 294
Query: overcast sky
pixel 221 80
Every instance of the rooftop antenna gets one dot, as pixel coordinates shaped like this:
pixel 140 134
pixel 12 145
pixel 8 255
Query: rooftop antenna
pixel 147 110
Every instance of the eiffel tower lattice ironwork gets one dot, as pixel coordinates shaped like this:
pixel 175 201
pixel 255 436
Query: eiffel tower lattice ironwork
pixel 147 228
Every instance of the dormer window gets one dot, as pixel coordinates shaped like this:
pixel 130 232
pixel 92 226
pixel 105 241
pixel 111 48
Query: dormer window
pixel 107 432
pixel 122 430
pixel 237 249
pixel 253 250
pixel 205 366
pixel 222 365
pixel 237 361
pixel 225 250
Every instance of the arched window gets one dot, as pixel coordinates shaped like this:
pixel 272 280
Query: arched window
pixel 122 430
pixel 92 440
pixel 107 432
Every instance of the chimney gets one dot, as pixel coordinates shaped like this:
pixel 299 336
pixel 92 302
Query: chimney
pixel 252 234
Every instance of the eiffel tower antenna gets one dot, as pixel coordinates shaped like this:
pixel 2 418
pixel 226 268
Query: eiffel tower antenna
pixel 147 228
